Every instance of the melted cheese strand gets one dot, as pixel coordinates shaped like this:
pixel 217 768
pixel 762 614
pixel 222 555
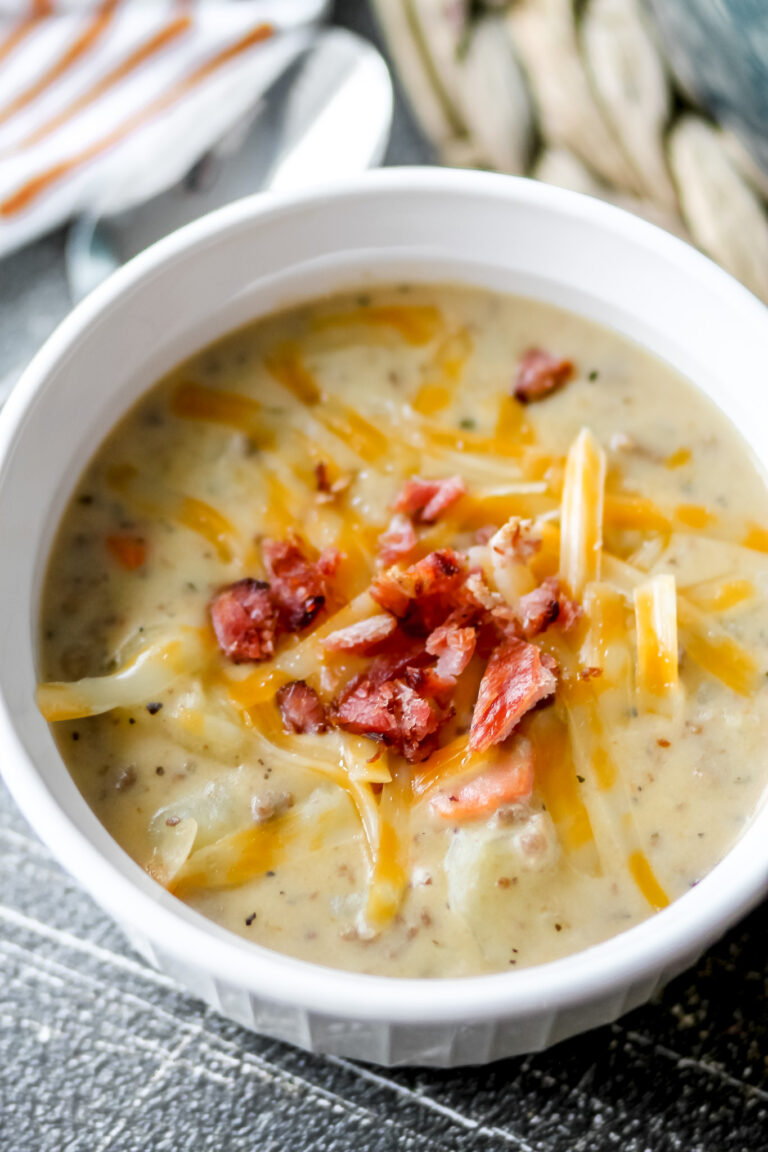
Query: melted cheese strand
pixel 196 515
pixel 389 874
pixel 646 881
pixel 720 595
pixel 442 373
pixel 635 513
pixel 449 762
pixel 143 678
pixel 556 780
pixel 250 853
pixel 581 517
pixel 417 324
pixel 656 626
pixel 705 642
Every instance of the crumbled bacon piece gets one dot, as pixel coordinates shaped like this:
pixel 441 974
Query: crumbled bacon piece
pixel 398 541
pixel 423 595
pixel 430 684
pixel 393 590
pixel 245 620
pixel 426 500
pixel 401 652
pixel 299 584
pixel 518 676
pixel 248 615
pixel 322 478
pixel 504 622
pixel 327 489
pixel 539 608
pixel 301 708
pixel 363 638
pixel 545 605
pixel 328 562
pixel 518 539
pixel 393 712
pixel 453 643
pixel 539 374
pixel 569 613
pixel 477 593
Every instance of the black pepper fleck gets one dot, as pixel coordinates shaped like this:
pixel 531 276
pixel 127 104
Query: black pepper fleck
pixel 250 919
pixel 154 707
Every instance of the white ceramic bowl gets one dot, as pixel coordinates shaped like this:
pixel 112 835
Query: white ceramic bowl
pixel 241 262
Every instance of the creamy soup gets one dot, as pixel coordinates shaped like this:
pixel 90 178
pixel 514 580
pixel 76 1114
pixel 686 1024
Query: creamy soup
pixel 422 632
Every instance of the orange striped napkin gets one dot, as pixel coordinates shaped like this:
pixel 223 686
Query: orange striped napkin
pixel 104 103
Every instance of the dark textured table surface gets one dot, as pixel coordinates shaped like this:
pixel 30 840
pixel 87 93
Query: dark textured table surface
pixel 98 1052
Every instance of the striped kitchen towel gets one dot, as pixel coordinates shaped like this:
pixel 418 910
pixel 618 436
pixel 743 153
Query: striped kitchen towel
pixel 104 103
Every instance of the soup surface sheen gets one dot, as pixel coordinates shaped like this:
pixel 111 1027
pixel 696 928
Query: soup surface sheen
pixel 605 592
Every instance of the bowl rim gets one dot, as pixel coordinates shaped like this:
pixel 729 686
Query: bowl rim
pixel 661 943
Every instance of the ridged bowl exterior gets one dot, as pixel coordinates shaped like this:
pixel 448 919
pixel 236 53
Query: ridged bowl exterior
pixel 380 1042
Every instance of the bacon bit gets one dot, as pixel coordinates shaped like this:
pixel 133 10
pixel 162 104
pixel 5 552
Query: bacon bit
pixel 426 500
pixel 364 637
pixel 299 584
pixel 518 677
pixel 509 782
pixel 392 712
pixel 430 684
pixel 518 539
pixel 498 626
pixel 590 673
pixel 539 374
pixel 393 590
pixel 569 613
pixel 245 620
pixel 545 605
pixel 322 478
pixel 398 541
pixel 503 623
pixel 130 552
pixel 403 652
pixel 477 593
pixel 248 615
pixel 328 490
pixel 539 608
pixel 453 643
pixel 328 562
pixel 423 595
pixel 301 708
